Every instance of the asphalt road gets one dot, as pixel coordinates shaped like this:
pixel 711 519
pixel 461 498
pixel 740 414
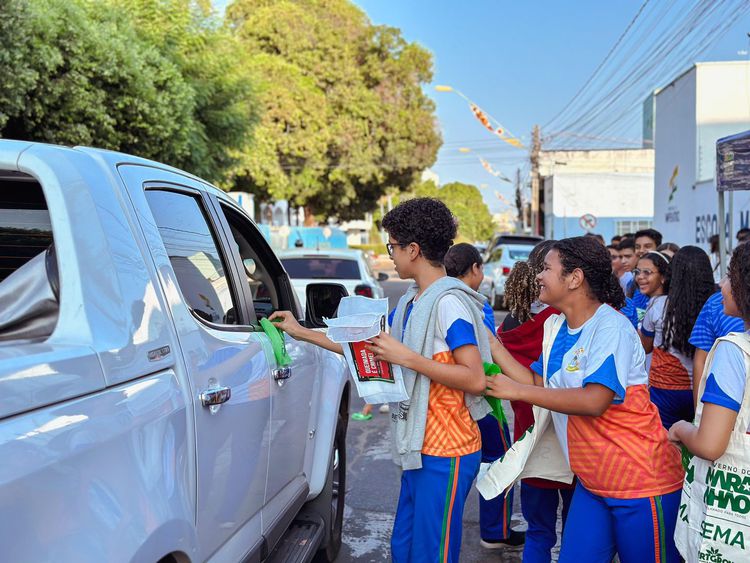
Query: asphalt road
pixel 373 483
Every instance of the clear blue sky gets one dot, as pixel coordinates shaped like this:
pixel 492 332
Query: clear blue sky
pixel 521 61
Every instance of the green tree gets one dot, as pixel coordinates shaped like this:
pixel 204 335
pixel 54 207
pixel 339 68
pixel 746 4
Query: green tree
pixel 210 60
pixel 466 203
pixel 156 78
pixel 344 115
pixel 71 75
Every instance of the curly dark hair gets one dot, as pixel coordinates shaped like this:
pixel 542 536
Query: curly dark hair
pixel 593 259
pixel 692 283
pixel 662 263
pixel 739 279
pixel 521 287
pixel 426 221
pixel 460 258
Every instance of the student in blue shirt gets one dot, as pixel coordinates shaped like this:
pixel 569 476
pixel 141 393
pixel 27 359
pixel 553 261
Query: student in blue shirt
pixel 711 324
pixel 718 436
pixel 464 262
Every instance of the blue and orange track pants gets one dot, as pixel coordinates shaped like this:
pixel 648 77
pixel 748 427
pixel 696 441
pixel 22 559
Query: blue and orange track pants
pixel 639 530
pixel 430 510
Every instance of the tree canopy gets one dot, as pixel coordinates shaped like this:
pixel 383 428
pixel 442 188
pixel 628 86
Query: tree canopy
pixel 91 73
pixel 305 100
pixel 466 203
pixel 343 113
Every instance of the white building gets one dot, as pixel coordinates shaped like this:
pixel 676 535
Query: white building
pixel 608 192
pixel 705 103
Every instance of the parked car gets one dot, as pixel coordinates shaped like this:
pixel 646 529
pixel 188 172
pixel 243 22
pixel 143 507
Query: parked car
pixel 517 239
pixel 348 267
pixel 497 266
pixel 145 417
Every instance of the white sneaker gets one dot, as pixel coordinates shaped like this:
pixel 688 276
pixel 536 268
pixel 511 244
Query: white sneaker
pixel 384 408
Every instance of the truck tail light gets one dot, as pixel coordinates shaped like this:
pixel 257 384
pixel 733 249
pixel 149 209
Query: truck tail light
pixel 364 290
pixel 506 270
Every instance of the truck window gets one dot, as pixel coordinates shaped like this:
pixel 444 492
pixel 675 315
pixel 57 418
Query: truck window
pixel 25 227
pixel 260 278
pixel 29 280
pixel 194 254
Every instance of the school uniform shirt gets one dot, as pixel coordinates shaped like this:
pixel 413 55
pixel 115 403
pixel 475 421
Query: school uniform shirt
pixel 625 279
pixel 670 369
pixel 712 323
pixel 489 317
pixel 450 431
pixel 640 301
pixel 725 385
pixel 624 453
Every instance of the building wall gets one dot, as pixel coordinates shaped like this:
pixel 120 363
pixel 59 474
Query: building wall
pixel 708 102
pixel 615 186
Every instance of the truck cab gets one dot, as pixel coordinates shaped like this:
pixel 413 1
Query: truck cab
pixel 145 416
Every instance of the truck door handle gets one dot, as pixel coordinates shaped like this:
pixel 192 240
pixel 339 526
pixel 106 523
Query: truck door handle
pixel 280 374
pixel 215 396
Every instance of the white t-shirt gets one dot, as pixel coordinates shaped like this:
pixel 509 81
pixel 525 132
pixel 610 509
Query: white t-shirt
pixel 455 328
pixel 653 327
pixel 725 385
pixel 605 350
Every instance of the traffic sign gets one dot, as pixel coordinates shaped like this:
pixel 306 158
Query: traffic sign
pixel 587 222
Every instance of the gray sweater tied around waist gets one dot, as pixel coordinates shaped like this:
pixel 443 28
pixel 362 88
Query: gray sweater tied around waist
pixel 408 418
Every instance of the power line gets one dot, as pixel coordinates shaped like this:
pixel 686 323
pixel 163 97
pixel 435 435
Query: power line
pixel 601 64
pixel 604 114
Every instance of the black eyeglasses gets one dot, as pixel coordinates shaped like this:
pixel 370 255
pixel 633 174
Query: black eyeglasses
pixel 389 246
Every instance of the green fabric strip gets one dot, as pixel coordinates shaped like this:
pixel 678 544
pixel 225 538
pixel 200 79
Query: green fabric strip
pixel 446 508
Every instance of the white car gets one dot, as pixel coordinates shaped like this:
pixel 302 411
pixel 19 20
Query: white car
pixel 348 267
pixel 497 266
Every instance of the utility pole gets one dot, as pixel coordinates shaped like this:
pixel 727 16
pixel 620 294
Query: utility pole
pixel 519 203
pixel 536 147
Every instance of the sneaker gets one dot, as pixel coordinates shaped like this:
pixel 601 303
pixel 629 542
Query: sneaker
pixel 384 409
pixel 361 416
pixel 515 539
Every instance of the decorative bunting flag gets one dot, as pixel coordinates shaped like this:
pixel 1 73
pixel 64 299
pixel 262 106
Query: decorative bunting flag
pixel 497 174
pixel 484 119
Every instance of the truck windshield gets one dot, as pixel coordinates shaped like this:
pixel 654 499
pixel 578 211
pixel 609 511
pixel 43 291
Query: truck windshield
pixel 321 268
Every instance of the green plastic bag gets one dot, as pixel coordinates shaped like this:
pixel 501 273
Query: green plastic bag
pixel 495 403
pixel 277 342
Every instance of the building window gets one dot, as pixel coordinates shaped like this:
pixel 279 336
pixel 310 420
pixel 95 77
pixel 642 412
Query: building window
pixel 632 226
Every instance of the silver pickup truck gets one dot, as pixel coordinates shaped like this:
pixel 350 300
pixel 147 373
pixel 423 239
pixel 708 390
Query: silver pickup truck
pixel 144 416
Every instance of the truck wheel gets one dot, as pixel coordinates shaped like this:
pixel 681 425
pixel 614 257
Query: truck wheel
pixel 330 502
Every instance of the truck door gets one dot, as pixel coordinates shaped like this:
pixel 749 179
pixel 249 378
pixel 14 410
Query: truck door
pixel 293 388
pixel 226 364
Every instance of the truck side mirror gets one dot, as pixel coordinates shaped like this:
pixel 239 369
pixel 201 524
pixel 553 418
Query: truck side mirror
pixel 382 276
pixel 322 301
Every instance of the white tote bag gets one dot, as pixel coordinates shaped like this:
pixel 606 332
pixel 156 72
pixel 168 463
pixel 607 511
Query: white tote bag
pixel 713 522
pixel 537 453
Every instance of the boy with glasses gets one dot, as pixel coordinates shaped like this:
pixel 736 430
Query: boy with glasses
pixel 439 339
